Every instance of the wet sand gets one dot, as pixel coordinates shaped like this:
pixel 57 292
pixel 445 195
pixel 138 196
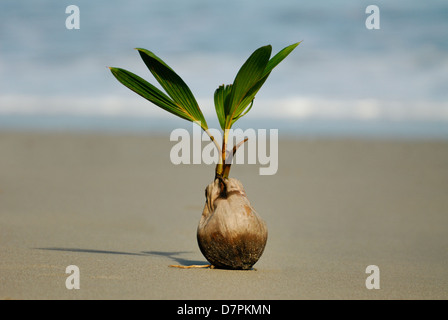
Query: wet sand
pixel 116 207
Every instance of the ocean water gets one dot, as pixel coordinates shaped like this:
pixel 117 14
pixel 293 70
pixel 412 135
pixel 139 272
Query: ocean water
pixel 343 79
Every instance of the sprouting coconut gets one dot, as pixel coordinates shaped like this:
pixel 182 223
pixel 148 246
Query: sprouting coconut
pixel 230 234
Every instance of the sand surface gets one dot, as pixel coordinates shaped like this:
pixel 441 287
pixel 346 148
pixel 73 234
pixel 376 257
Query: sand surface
pixel 116 207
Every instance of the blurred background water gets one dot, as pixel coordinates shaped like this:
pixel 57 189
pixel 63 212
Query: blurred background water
pixel 343 79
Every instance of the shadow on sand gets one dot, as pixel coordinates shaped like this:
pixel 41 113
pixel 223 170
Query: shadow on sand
pixel 174 255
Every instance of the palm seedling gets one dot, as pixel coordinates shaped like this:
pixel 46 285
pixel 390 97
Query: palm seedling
pixel 230 234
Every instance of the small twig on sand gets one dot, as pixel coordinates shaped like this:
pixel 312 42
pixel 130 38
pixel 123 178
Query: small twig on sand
pixel 192 266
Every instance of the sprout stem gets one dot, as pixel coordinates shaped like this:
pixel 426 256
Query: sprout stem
pixel 230 159
pixel 214 141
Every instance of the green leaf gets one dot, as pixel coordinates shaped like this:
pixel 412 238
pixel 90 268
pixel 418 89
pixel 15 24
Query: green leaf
pixel 149 92
pixel 279 58
pixel 248 75
pixel 174 86
pixel 221 95
pixel 273 62
pixel 248 99
pixel 250 95
pixel 241 114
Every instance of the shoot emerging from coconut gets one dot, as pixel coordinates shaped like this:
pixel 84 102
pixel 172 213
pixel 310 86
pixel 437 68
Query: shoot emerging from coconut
pixel 230 234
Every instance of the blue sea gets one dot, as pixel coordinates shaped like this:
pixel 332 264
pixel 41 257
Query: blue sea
pixel 342 80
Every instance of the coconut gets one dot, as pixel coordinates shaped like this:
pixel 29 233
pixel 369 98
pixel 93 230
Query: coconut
pixel 231 235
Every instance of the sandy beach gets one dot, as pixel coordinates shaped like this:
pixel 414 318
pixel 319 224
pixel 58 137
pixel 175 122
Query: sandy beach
pixel 116 207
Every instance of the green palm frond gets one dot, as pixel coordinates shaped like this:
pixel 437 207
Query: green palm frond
pixel 179 100
pixel 234 101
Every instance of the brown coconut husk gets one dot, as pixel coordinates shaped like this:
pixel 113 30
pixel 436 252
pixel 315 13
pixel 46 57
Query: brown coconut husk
pixel 231 235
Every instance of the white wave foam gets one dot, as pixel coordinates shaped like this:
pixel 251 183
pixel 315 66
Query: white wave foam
pixel 291 108
pixel 358 109
pixel 84 106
